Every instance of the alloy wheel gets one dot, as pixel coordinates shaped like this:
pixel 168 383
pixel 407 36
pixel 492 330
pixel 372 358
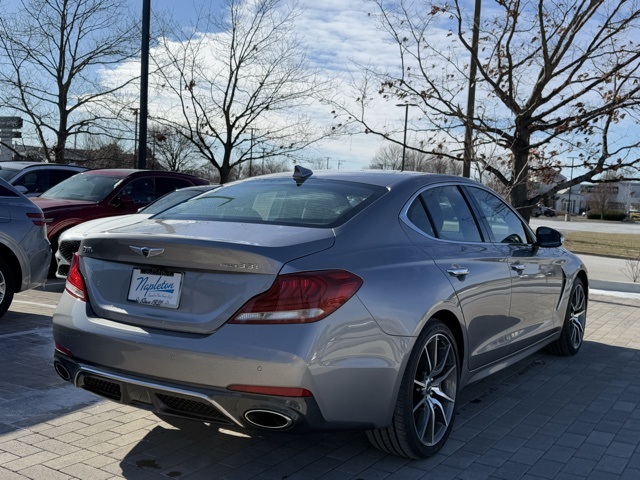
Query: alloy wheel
pixel 577 315
pixel 3 287
pixel 434 393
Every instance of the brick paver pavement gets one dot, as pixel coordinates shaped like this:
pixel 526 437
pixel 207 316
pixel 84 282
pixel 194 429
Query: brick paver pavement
pixel 545 418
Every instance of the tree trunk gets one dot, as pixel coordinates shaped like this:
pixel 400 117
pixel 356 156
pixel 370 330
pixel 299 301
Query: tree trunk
pixel 225 169
pixel 519 195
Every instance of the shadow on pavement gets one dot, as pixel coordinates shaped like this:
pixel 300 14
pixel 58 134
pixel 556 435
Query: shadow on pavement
pixel 557 407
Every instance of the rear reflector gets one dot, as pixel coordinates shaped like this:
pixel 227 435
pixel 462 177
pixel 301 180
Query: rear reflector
pixel 63 350
pixel 275 391
pixel 300 298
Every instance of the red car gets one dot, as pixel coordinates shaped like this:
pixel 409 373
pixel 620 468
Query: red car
pixel 105 193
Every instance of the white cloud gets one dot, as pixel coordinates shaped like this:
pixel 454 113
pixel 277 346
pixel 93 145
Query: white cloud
pixel 338 35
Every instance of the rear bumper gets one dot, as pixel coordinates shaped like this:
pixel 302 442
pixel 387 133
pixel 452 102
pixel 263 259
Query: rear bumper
pixel 39 262
pixel 212 405
pixel 351 367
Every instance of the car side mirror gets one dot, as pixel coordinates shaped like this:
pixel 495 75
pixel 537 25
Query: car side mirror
pixel 547 237
pixel 22 189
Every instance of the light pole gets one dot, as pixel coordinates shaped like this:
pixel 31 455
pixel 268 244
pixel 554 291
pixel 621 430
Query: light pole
pixel 569 209
pixel 404 141
pixel 135 137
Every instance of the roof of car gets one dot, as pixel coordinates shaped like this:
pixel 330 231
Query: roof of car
pixel 125 172
pixel 383 178
pixel 25 164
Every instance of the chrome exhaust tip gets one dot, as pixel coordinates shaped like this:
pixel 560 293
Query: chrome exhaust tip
pixel 268 419
pixel 62 371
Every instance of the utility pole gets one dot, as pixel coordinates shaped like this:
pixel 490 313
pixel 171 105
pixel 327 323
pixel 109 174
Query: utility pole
pixel 251 155
pixel 144 83
pixel 471 98
pixel 404 141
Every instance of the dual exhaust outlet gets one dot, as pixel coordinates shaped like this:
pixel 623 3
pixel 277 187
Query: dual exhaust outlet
pixel 268 419
pixel 62 371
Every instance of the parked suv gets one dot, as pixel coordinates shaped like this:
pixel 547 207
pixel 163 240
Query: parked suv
pixel 25 253
pixel 34 178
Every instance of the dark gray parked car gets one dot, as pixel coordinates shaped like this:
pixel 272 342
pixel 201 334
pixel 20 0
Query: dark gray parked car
pixel 362 300
pixel 25 252
pixel 34 178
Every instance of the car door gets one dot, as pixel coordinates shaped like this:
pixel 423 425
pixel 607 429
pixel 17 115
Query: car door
pixel 536 273
pixel 445 228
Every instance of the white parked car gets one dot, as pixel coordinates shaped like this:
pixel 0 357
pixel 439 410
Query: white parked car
pixel 69 241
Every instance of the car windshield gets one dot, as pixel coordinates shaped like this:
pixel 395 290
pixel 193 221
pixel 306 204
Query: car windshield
pixel 319 203
pixel 7 173
pixel 169 200
pixel 92 188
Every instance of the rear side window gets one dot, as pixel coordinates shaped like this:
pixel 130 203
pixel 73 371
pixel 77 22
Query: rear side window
pixel 165 185
pixel 322 203
pixel 442 212
pixel 5 192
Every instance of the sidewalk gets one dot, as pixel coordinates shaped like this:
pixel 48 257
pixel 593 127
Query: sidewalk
pixel 610 274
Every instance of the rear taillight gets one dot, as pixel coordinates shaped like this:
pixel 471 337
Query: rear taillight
pixel 75 282
pixel 37 218
pixel 300 298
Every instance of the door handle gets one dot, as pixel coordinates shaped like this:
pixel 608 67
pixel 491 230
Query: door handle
pixel 456 271
pixel 518 267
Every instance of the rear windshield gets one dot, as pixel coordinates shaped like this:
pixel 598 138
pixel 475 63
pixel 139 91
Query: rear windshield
pixel 320 203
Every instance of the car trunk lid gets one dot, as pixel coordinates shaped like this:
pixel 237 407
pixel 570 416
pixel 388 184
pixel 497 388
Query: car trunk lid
pixel 205 270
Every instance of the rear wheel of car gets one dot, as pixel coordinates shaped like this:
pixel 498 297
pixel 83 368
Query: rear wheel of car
pixel 425 408
pixel 7 287
pixel 575 321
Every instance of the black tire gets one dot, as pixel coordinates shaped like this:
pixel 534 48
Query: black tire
pixel 425 408
pixel 575 321
pixel 7 287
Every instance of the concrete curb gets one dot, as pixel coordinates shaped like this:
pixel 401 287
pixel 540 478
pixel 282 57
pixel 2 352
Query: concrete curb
pixel 625 287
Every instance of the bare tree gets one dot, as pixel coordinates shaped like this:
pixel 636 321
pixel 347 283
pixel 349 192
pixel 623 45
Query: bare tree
pixel 108 154
pixel 389 157
pixel 53 51
pixel 173 150
pixel 240 92
pixel 601 197
pixel 555 79
pixel 632 269
pixel 261 167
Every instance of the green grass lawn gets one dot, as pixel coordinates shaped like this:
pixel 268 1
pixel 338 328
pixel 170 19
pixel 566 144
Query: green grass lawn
pixel 621 245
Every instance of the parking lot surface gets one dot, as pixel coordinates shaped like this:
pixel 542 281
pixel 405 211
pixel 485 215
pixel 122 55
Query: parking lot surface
pixel 545 418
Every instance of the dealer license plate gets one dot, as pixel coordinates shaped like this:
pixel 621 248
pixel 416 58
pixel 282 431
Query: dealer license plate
pixel 158 290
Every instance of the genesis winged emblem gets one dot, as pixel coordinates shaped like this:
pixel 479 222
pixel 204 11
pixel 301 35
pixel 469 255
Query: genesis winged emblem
pixel 147 251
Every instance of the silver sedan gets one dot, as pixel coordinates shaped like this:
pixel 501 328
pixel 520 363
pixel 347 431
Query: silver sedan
pixel 328 300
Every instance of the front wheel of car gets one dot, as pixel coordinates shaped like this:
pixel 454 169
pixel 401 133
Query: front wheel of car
pixel 575 321
pixel 425 408
pixel 7 287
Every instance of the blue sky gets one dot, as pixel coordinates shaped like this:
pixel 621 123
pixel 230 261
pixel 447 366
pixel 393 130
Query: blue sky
pixel 337 32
